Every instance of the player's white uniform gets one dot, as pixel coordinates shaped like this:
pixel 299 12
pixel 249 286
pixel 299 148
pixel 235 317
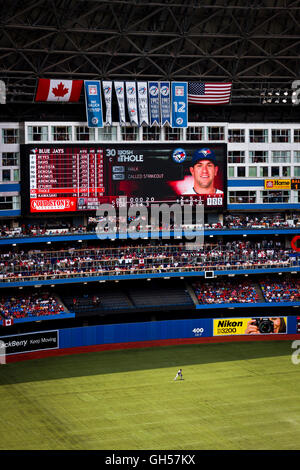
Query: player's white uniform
pixel 179 374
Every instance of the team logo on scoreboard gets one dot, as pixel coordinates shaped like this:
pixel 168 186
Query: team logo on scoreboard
pixel 179 155
pixel 34 150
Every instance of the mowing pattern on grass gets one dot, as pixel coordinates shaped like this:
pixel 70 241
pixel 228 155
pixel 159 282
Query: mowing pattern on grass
pixel 235 396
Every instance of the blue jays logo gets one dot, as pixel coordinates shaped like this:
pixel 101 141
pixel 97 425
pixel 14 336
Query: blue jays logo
pixel 119 90
pixel 107 90
pixel 131 90
pixel 205 152
pixel 179 155
pixel 143 90
pixel 179 121
pixel 34 150
pixel 153 90
pixel 164 90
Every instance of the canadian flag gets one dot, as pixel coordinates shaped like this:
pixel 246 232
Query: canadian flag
pixel 8 321
pixel 58 90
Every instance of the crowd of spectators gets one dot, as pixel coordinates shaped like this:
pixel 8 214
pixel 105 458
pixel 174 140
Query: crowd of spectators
pixel 137 258
pixel 252 221
pixel 285 290
pixel 29 305
pixel 230 221
pixel 228 292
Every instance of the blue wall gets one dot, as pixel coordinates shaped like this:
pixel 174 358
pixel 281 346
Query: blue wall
pixel 145 331
pixel 132 332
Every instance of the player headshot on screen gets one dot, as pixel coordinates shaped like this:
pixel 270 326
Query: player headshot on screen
pixel 204 170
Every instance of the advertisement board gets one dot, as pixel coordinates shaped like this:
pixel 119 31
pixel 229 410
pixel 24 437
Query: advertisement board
pixel 60 178
pixel 249 326
pixel 277 184
pixel 28 342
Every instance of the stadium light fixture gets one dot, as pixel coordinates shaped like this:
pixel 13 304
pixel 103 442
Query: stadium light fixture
pixel 294 97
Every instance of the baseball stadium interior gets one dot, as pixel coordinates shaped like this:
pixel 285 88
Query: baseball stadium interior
pixel 149 224
pixel 55 269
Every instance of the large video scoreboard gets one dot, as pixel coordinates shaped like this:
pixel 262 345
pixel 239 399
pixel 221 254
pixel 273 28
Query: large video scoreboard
pixel 70 177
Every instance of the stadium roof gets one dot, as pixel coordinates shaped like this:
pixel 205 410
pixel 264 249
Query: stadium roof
pixel 253 44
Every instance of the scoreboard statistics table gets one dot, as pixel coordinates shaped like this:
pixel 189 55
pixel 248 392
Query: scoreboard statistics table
pixel 70 177
pixel 62 176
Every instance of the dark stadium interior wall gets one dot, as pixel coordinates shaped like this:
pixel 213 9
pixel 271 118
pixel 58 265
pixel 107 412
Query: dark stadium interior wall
pixel 14 112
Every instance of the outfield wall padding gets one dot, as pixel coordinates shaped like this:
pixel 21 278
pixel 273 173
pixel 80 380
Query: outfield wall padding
pixel 127 335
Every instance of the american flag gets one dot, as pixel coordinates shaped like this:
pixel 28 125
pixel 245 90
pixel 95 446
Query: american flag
pixel 209 93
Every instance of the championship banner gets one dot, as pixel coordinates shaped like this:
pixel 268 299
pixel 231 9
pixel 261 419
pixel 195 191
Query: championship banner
pixel 107 91
pixel 277 184
pixel 132 103
pixel 179 104
pixel 154 103
pixel 165 104
pixel 93 103
pixel 119 89
pixel 249 326
pixel 142 89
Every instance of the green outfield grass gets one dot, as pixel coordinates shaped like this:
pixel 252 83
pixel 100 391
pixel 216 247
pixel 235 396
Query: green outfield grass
pixel 234 396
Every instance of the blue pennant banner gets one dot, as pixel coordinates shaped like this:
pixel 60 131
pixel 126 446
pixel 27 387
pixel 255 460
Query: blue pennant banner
pixel 153 88
pixel 179 104
pixel 93 103
pixel 165 104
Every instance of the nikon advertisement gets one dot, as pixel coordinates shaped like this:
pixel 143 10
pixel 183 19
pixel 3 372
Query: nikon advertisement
pixel 250 326
pixel 28 342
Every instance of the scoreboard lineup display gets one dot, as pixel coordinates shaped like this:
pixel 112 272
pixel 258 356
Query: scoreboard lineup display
pixel 70 177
